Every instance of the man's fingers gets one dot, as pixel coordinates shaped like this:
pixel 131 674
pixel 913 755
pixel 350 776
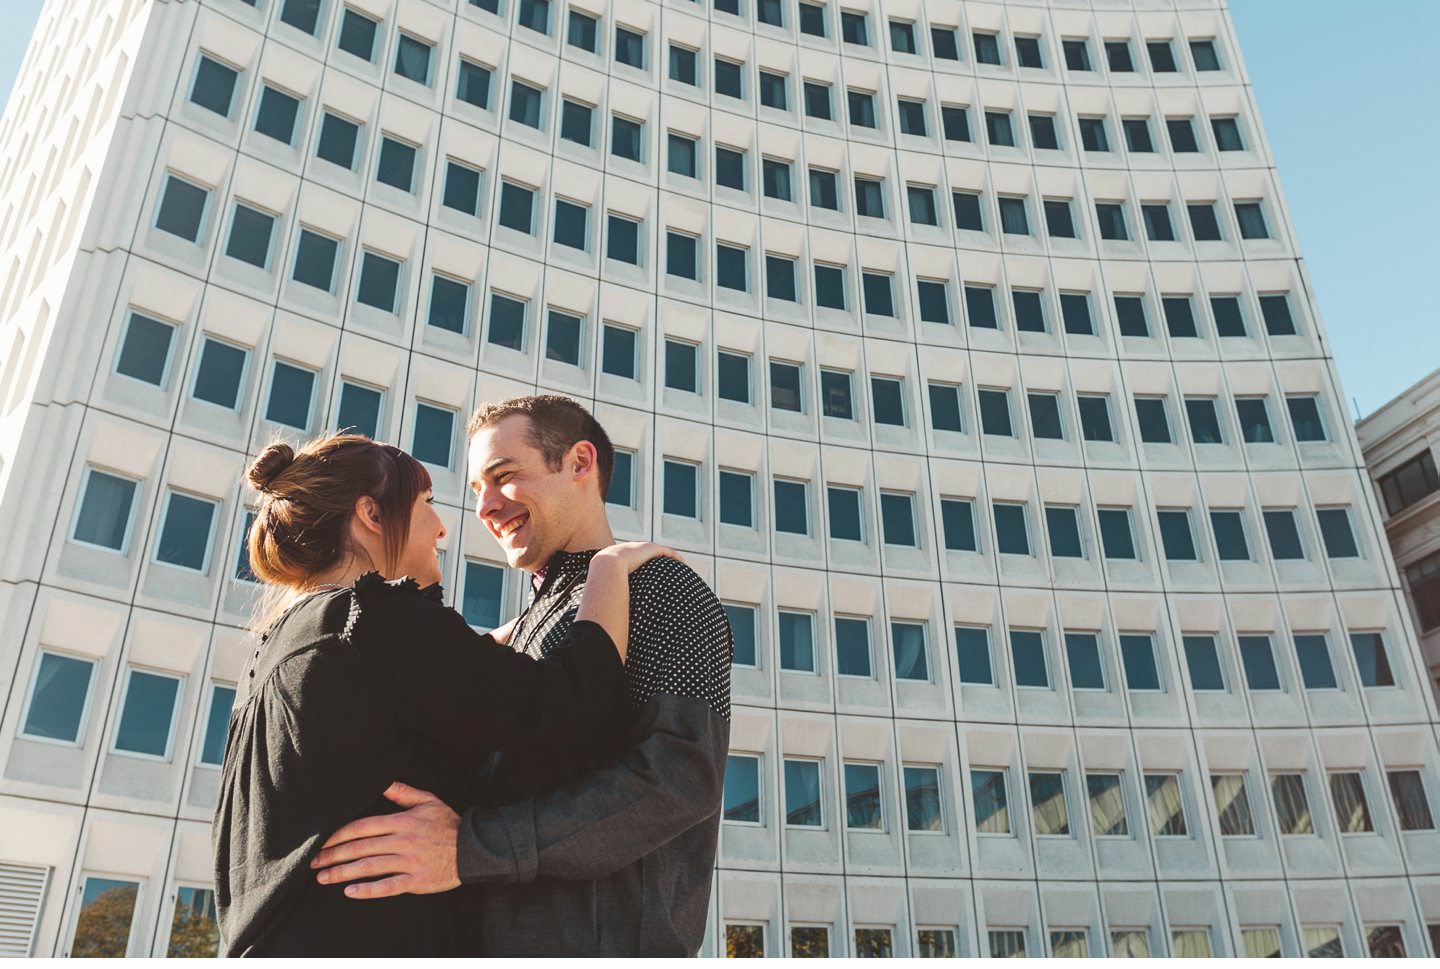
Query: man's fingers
pixel 361 848
pixel 407 796
pixel 364 868
pixel 384 888
pixel 363 828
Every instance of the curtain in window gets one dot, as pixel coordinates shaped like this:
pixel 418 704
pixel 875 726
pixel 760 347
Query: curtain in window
pixel 1291 805
pixel 1047 792
pixel 1348 792
pixel 992 815
pixel 1262 943
pixel 1232 804
pixel 1323 942
pixel 1107 804
pixel 1069 944
pixel 1130 944
pixel 1191 943
pixel 1385 942
pixel 1408 793
pixel 1167 812
pixel 1007 943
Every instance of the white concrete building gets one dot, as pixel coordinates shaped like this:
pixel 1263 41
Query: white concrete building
pixel 965 346
pixel 1401 442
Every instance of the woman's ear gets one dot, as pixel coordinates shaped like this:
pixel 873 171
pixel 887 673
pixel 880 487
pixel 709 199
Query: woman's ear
pixel 367 515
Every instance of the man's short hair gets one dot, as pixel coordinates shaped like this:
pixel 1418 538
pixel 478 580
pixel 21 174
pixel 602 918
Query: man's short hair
pixel 556 425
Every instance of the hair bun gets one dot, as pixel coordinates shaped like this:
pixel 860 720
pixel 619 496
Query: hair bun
pixel 271 463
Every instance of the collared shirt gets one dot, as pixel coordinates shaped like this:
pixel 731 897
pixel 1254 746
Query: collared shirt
pixel 617 859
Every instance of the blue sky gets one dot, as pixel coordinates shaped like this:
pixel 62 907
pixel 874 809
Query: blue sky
pixel 1349 106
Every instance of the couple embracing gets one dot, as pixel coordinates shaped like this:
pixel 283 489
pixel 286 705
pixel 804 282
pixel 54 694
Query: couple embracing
pixel 397 784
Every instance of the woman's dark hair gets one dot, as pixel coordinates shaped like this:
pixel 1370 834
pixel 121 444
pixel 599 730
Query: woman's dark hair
pixel 301 527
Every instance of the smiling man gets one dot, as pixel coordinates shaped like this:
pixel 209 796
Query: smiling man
pixel 606 858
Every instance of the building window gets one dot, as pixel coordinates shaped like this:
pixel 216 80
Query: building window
pixel 802 794
pixel 933 297
pixel 733 376
pixel 1111 216
pixel 1407 792
pixel 785 386
pixel 105 506
pixel 1027 652
pixel 1203 661
pixel 1313 654
pixel 186 532
pixel 922 800
pixel 1232 805
pixel 217 723
pixel 1116 538
pixel 680 157
pixel 1252 220
pixel 869 198
pixel 681 366
pixel 921 201
pixel 1371 660
pixel 276 115
pixel 1006 943
pixel 1337 534
pixel 622 239
pixel 912 117
pixel 1423 578
pixel 775 179
pixel 770 12
pixel 1047 804
pixel 817 102
pixel 745 941
pixel 1229 530
pixel 1058 220
pixel 291 391
pixel 730 168
pixel 1352 811
pixel 812 19
pixel 1385 942
pixel 397 164
pixel 1077 54
pixel 992 812
pixel 1137 135
pixel 852 647
pixel 1162 798
pixel 357 35
pixel 1305 418
pixel 738 498
pixel 147 714
pixel 315 256
pixel 484 595
pixel 791 507
pixel 629 47
pixel 412 59
pixel 1092 134
pixel 742 788
pixel 887 397
pixel 571 224
pixel 797 641
pixel 525 103
pixel 999 130
pixel 1157 222
pixel 1095 417
pixel 995 413
pixel 1013 217
pixel 987 48
pixel 433 435
pixel 1179 316
pixel 955 121
pixel 863 804
pixel 773 91
pixel 1417 478
pixel 1203 223
pixel 1191 943
pixel 338 140
pixel 682 489
pixel 874 943
pixel 107 905
pixel 1261 943
pixel 1204 54
pixel 622 481
pixel 59 695
pixel 379 281
pixel 1130 315
pixel 1254 418
pixel 359 412
pixel 727 79
pixel 972 654
pixel 182 208
pixel 731 269
pixel 780 278
pixel 682 254
pixel 1275 308
pixel 1107 805
pixel 214 86
pixel 742 626
pixel 449 302
pixel 1117 54
pixel 945 408
pixel 1227 134
pixel 576 122
pixel 1154 424
pixel 683 65
pixel 835 395
pixel 462 188
pixel 221 371
pixel 911 659
pixel 1283 534
pixel 829 287
pixel 1137 652
pixel 617 351
pixel 1292 807
pixel 625 138
pixel 1045 417
pixel 562 337
pixel 581 31
pixel 824 190
pixel 1082 653
pixel 1182 135
pixel 854 28
pixel 145 349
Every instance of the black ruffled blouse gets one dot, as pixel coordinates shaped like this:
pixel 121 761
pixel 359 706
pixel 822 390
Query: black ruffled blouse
pixel 348 691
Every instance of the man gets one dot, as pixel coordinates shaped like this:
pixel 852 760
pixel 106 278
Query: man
pixel 576 859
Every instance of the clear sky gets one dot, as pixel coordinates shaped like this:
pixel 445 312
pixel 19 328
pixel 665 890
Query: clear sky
pixel 1349 106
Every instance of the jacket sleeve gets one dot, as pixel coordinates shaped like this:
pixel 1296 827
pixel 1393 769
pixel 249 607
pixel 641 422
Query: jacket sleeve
pixel 464 690
pixel 670 780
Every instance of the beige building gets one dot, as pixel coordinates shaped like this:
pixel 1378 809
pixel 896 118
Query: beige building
pixel 1401 441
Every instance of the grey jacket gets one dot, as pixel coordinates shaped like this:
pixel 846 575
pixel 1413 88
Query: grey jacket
pixel 615 860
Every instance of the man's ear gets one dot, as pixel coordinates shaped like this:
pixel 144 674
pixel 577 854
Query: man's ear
pixel 367 515
pixel 582 460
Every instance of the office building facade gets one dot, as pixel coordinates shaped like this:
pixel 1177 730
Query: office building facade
pixel 964 347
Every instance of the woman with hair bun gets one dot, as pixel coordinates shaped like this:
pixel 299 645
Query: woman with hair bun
pixel 362 676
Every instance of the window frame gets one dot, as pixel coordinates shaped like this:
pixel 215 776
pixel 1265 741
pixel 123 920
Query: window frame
pixel 129 670
pixel 34 679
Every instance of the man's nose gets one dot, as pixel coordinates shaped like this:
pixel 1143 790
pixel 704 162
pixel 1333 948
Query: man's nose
pixel 488 501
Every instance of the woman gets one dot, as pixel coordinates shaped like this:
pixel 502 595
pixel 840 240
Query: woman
pixel 365 678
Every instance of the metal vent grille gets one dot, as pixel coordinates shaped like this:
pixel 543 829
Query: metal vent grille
pixel 22 890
